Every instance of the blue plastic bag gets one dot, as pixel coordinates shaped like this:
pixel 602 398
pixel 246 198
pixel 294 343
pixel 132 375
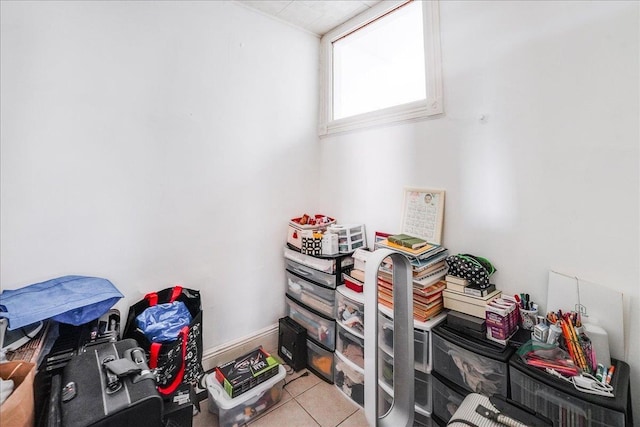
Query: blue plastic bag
pixel 162 322
pixel 70 299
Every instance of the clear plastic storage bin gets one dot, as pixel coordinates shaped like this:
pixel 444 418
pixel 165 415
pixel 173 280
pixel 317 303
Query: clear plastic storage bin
pixel 242 409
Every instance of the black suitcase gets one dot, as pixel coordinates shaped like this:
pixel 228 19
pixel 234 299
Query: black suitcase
pixel 93 395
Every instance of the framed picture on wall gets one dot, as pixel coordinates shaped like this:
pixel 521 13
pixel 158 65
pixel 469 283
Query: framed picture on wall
pixel 423 214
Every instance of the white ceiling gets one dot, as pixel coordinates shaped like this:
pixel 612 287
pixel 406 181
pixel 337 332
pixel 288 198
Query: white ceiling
pixel 316 16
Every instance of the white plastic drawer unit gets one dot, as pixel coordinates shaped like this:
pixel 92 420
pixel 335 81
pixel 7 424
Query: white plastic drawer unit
pixel 319 328
pixel 420 346
pixel 350 309
pixel 310 294
pixel 471 363
pixel 320 361
pixel 350 236
pixel 350 345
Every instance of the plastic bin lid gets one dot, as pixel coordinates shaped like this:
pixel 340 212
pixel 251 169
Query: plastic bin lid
pixel 225 402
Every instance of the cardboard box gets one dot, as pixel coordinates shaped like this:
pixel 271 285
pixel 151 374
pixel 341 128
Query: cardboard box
pixel 19 408
pixel 246 372
pixel 475 306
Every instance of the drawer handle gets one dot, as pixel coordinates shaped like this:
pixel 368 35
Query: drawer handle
pixel 303 272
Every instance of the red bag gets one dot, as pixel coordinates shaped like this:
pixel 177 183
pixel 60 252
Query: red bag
pixel 178 361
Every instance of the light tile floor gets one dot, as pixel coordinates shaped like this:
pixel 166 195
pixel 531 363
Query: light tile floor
pixel 306 402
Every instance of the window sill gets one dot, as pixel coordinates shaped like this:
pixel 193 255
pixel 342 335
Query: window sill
pixel 391 115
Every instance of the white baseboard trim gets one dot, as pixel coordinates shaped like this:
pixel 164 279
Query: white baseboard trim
pixel 267 338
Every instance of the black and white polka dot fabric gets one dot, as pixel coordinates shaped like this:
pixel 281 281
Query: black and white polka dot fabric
pixel 475 269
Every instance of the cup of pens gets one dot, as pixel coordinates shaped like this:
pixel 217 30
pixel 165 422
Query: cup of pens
pixel 528 318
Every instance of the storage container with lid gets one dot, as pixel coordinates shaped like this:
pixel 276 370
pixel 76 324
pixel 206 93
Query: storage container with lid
pixel 247 406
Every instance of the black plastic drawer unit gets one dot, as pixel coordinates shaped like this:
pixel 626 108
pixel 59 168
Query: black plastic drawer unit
pixel 474 364
pixel 559 401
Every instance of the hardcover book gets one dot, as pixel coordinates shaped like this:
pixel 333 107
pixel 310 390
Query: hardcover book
pixel 407 241
pixel 430 278
pixel 477 291
pixel 457 280
pixel 426 271
pixel 455 287
pixel 421 252
pixel 419 264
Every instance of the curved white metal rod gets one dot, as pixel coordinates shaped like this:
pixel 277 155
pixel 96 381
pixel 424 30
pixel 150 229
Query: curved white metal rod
pixel 402 408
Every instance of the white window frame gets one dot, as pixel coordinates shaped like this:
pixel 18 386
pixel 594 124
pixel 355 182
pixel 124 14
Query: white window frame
pixel 430 106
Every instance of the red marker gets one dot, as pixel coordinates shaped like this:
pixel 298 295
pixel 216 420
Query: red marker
pixel 610 374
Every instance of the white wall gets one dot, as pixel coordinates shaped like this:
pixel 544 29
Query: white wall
pixel 155 143
pixel 550 179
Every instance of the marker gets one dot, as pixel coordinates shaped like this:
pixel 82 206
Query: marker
pixel 610 374
pixel 601 376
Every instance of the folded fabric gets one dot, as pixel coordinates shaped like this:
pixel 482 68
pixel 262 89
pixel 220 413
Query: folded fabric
pixel 69 299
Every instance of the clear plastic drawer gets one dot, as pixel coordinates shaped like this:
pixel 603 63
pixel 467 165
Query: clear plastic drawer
pixel 320 361
pixel 474 370
pixel 310 294
pixel 350 309
pixel 319 328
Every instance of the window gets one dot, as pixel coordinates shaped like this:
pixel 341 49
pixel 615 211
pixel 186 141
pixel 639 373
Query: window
pixel 382 67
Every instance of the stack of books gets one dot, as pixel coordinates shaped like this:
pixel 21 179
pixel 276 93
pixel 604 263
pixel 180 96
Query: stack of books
pixel 462 296
pixel 458 284
pixel 428 269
